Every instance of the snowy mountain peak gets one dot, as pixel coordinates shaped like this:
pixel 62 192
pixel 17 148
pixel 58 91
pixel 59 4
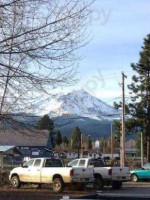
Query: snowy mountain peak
pixel 81 103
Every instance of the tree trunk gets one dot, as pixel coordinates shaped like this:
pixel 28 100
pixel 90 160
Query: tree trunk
pixel 148 140
pixel 148 153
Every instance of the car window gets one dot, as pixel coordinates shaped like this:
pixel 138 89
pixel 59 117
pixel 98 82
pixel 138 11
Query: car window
pixel 97 162
pixel 82 163
pixel 37 163
pixel 29 163
pixel 53 163
pixel 146 166
pixel 73 163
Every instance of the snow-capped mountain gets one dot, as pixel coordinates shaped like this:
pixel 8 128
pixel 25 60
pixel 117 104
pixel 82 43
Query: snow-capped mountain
pixel 79 103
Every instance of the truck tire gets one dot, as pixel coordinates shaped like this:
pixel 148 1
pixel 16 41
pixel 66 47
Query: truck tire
pixel 134 178
pixel 98 183
pixel 117 185
pixel 15 182
pixel 58 185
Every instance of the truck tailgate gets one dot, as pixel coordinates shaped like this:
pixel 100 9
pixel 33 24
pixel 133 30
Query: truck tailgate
pixel 121 173
pixel 83 174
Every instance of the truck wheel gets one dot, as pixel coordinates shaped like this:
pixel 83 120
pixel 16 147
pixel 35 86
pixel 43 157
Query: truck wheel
pixel 98 183
pixel 15 182
pixel 134 178
pixel 58 185
pixel 117 185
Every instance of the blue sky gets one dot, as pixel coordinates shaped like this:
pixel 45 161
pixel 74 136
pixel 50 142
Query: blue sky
pixel 118 30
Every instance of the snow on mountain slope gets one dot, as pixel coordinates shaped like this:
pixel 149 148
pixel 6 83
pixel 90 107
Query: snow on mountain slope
pixel 79 103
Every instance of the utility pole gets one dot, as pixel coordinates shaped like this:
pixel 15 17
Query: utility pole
pixel 122 163
pixel 112 156
pixel 142 149
pixel 104 148
pixel 81 145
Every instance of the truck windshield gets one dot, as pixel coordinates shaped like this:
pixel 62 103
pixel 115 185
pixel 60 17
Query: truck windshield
pixel 29 163
pixel 53 163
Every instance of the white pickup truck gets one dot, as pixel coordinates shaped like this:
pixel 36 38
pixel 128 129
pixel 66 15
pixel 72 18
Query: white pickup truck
pixel 103 175
pixel 50 171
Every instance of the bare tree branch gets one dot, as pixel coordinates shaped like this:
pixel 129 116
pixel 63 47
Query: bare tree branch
pixel 39 40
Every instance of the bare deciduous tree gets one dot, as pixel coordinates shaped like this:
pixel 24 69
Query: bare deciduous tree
pixel 38 43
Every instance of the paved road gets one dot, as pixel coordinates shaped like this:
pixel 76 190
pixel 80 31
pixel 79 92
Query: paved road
pixel 141 190
pixel 130 190
pixel 37 194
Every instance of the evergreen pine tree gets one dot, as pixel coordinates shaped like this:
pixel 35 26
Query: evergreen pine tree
pixel 102 145
pixel 76 138
pixel 140 89
pixel 89 142
pixel 65 141
pixel 58 138
pixel 45 123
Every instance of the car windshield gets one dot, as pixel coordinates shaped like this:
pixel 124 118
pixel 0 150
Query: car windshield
pixel 146 166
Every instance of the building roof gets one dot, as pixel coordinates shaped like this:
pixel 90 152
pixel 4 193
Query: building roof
pixel 130 144
pixel 23 138
pixel 5 148
pixel 75 151
pixel 130 150
pixel 9 150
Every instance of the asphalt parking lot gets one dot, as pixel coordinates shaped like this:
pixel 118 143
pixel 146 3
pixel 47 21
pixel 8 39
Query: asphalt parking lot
pixel 140 190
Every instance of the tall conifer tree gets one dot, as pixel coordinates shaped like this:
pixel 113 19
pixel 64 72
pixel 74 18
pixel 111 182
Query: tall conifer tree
pixel 140 89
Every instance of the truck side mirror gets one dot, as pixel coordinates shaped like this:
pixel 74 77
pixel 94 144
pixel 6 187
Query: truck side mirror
pixel 67 165
pixel 24 166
